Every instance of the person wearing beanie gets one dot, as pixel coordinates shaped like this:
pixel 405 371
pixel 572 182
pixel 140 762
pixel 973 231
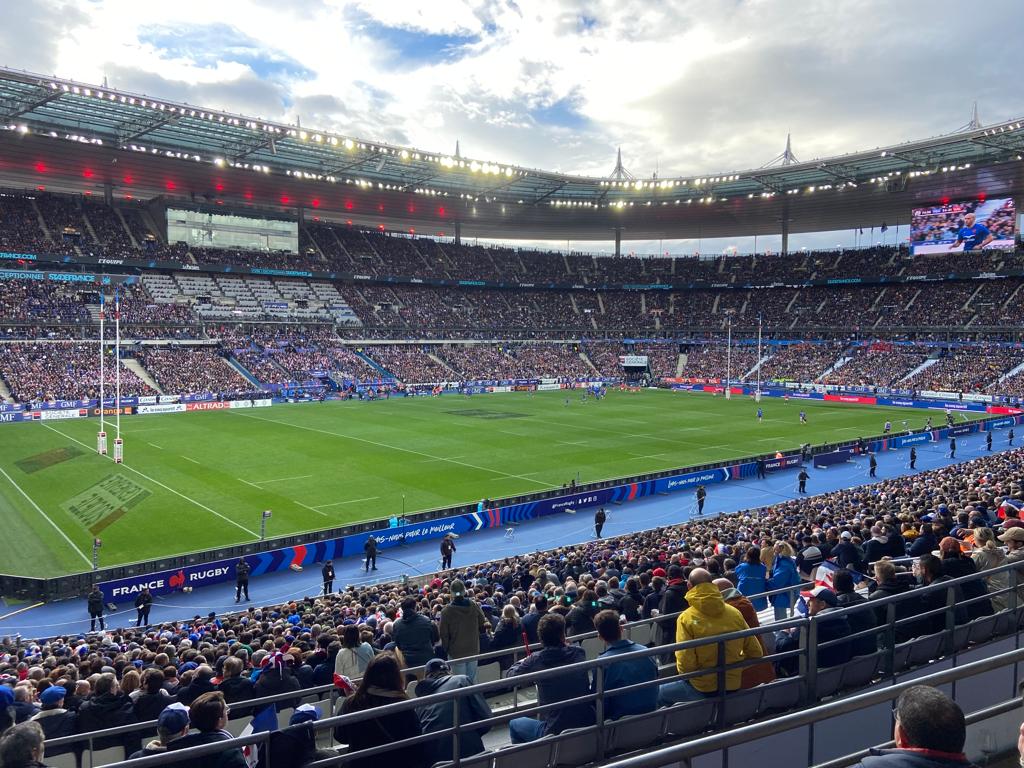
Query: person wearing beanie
pixel 172 724
pixel 461 624
pixel 414 634
pixel 56 721
pixel 276 677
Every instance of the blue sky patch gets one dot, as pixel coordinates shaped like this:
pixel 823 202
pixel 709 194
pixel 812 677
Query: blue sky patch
pixel 412 48
pixel 563 113
pixel 208 45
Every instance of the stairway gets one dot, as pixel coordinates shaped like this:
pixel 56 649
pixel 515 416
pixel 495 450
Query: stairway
pixel 926 364
pixel 242 371
pixel 757 366
pixel 835 367
pixel 442 363
pixel 681 364
pixel 127 230
pixel 5 393
pixel 1012 372
pixel 585 359
pixel 137 368
pixel 374 364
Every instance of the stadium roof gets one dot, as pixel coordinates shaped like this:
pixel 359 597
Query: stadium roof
pixel 70 136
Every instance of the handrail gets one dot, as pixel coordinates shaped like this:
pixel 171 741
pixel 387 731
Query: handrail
pixel 841 706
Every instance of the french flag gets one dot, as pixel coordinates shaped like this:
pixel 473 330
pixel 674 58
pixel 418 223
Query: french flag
pixel 1016 504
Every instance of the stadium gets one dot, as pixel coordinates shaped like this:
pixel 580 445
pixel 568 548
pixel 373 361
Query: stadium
pixel 773 495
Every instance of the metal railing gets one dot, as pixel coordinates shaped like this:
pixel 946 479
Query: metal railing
pixel 950 642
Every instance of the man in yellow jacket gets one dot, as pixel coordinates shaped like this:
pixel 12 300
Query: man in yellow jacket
pixel 708 615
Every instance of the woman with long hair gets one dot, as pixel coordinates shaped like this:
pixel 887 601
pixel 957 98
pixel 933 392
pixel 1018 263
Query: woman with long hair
pixel 381 685
pixel 355 654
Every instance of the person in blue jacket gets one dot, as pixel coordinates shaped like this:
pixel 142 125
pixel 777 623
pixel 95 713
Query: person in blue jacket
pixel 783 575
pixel 753 578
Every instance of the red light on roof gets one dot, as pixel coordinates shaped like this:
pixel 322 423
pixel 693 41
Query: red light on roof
pixel 171 186
pixel 982 196
pixel 316 218
pixel 218 187
pixel 88 193
pixel 348 205
pixel 41 188
pixel 440 234
pixel 248 195
pixel 128 179
pixel 285 199
pixel 87 173
pixel 944 201
pixel 349 222
pixel 440 211
pixel 40 168
pixel 380 227
pixel 412 208
pixel 315 203
pixel 412 231
pixel 381 207
pixel 127 197
pixel 220 202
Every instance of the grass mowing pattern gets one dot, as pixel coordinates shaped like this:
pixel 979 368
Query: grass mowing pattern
pixel 201 480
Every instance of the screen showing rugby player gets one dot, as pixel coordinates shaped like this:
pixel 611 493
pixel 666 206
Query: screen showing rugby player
pixel 967 225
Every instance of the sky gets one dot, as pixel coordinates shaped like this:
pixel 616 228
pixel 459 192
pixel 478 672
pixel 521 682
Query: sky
pixel 684 87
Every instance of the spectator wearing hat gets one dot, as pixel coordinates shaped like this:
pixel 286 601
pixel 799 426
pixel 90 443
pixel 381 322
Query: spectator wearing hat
pixel 624 673
pixel 202 682
pixel 438 678
pixel 930 571
pixel 753 578
pixel 276 677
pixel 109 708
pixel 23 746
pixel 821 603
pixel 56 721
pixel 861 620
pixel 554 653
pixel 295 745
pixel 1013 538
pixel 930 732
pixel 672 602
pixel 987 555
pixel 382 684
pixel 757 673
pixel 414 635
pixel 172 724
pixel 652 600
pixel 955 565
pixel 925 541
pixel 208 719
pixel 462 621
pixel 847 553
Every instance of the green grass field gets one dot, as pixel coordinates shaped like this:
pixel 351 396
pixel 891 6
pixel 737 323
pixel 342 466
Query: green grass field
pixel 201 480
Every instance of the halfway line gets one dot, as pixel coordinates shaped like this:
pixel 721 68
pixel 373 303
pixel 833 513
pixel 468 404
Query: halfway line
pixel 40 511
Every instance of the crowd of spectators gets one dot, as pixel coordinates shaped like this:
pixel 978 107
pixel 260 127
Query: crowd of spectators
pixel 190 370
pixel 515 361
pixel 711 361
pixel 799 362
pixel 712 570
pixel 972 369
pixel 879 364
pixel 410 363
pixel 44 371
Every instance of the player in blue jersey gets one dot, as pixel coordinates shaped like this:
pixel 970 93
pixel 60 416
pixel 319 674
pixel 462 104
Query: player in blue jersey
pixel 973 236
pixel 760 415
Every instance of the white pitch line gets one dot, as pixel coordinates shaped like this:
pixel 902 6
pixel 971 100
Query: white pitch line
pixel 155 446
pixel 186 458
pixel 337 503
pixel 648 456
pixel 281 479
pixel 248 483
pixel 393 448
pixel 311 509
pixel 157 482
pixel 46 516
pixel 578 442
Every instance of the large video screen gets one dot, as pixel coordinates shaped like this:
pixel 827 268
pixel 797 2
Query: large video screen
pixel 967 225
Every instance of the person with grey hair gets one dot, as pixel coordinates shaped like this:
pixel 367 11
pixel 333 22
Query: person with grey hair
pixel 23 746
